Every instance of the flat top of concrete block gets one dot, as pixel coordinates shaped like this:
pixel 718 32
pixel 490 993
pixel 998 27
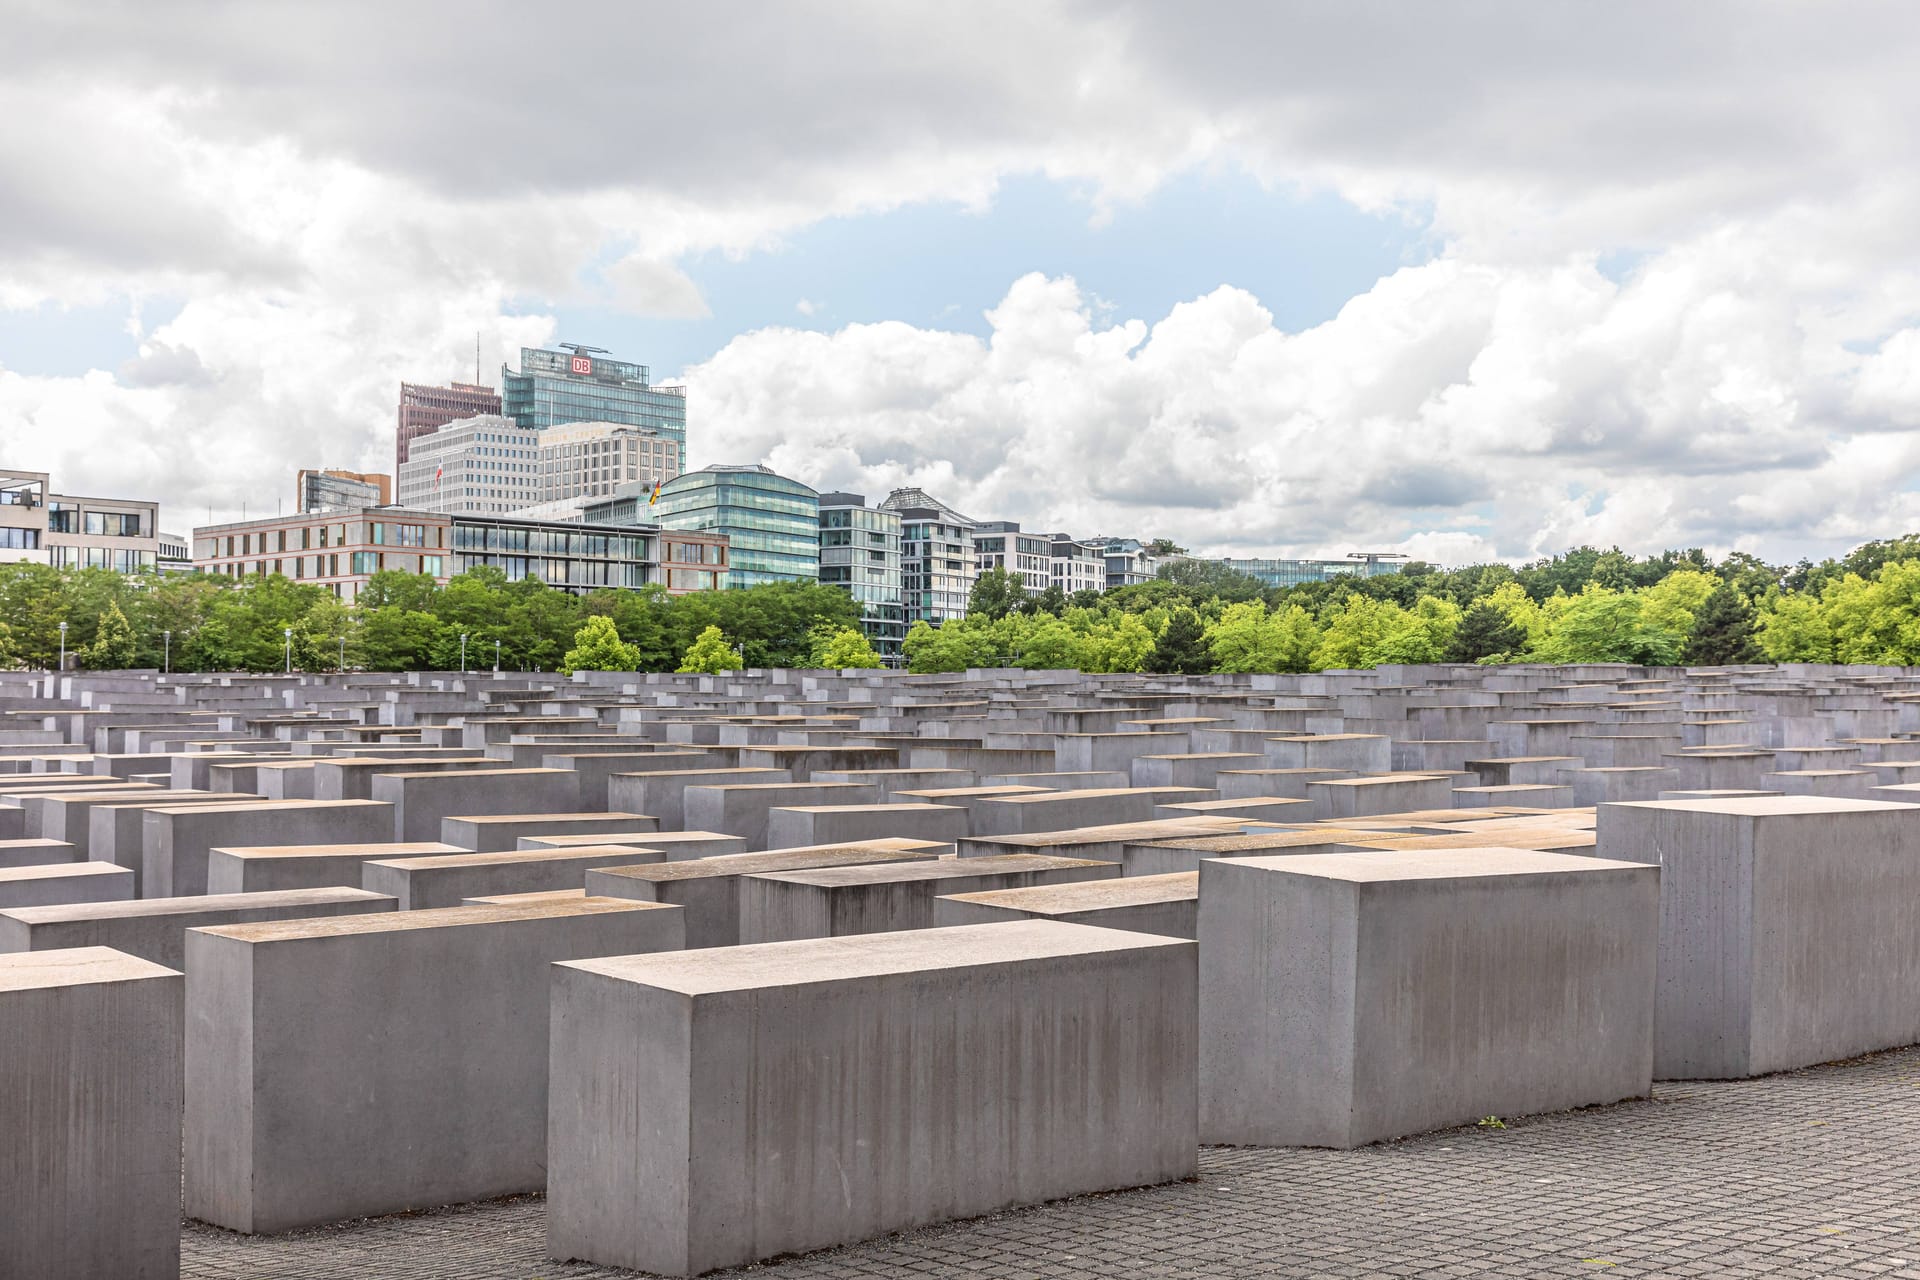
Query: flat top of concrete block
pixel 1519 760
pixel 431 918
pixel 464 774
pixel 74 966
pixel 136 908
pixel 1380 779
pixel 270 806
pixel 1820 773
pixel 484 819
pixel 1228 806
pixel 1374 867
pixel 957 793
pixel 59 870
pixel 940 869
pixel 778 786
pixel 1322 737
pixel 1264 840
pixel 801 858
pixel 629 839
pixel 1279 773
pixel 695 773
pixel 397 850
pixel 1140 832
pixel 533 899
pixel 1044 796
pixel 1208 755
pixel 1534 838
pixel 866 955
pixel 34 842
pixel 439 861
pixel 1092 895
pixel 1435 816
pixel 1515 788
pixel 1760 806
pixel 910 807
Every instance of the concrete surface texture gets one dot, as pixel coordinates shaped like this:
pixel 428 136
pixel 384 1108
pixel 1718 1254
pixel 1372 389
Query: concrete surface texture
pixel 1347 998
pixel 377 1063
pixel 90 1115
pixel 718 1107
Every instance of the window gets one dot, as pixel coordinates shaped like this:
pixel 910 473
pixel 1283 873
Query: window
pixel 20 539
pixel 364 562
pixel 379 534
pixel 323 535
pixel 431 565
pixel 62 517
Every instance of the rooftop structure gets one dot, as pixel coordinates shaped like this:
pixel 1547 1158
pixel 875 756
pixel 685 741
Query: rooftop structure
pixel 425 409
pixel 553 388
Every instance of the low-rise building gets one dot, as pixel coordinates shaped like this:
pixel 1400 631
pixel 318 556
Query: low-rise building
pixel 1128 560
pixel 860 554
pixel 1291 573
pixel 68 531
pixel 1074 566
pixel 341 550
pixel 999 544
pixel 341 490
pixel 936 556
pixel 772 523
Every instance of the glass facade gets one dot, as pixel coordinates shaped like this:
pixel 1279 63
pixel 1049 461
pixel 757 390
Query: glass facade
pixel 573 557
pixel 936 556
pixel 772 523
pixel 860 554
pixel 1291 573
pixel 554 388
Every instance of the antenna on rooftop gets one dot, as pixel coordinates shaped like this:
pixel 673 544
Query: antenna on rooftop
pixel 581 349
pixel 476 357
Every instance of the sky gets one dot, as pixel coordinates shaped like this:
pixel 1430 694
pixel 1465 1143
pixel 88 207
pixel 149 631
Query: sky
pixel 1483 280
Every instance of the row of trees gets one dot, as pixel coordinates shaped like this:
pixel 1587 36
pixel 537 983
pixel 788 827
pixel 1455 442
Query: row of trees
pixel 406 622
pixel 1584 606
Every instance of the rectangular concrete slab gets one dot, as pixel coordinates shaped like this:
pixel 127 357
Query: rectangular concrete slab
pixel 444 880
pixel 155 929
pixel 1165 904
pixel 685 1134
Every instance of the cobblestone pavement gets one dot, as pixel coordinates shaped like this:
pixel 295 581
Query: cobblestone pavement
pixel 1809 1174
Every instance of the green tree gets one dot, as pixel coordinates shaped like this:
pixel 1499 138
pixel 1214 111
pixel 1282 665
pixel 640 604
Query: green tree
pixel 1425 634
pixel 710 654
pixel 955 646
pixel 34 601
pixel 1793 628
pixel 1723 631
pixel 597 646
pixel 1486 633
pixel 1247 638
pixel 996 593
pixel 395 639
pixel 1352 631
pixel 113 647
pixel 844 649
pixel 1182 646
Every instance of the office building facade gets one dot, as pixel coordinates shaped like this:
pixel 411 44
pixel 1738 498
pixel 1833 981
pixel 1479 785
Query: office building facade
pixel 1291 573
pixel 579 384
pixel 936 556
pixel 593 459
pixel 72 532
pixel 425 409
pixel 478 466
pixel 1074 566
pixel 342 550
pixel 860 554
pixel 999 544
pixel 772 523
pixel 341 490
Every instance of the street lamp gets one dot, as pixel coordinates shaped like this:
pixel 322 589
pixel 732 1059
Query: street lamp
pixel 288 631
pixel 63 646
pixel 343 651
pixel 166 661
pixel 463 653
pixel 496 657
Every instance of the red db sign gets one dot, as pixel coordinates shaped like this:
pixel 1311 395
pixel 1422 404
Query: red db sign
pixel 582 364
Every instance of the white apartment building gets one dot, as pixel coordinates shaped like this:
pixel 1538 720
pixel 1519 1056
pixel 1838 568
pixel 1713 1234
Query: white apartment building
pixel 1076 566
pixel 492 465
pixel 122 534
pixel 488 465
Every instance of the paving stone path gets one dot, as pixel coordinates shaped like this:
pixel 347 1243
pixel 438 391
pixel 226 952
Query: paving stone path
pixel 1808 1174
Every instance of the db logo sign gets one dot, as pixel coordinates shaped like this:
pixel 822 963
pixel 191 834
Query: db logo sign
pixel 582 364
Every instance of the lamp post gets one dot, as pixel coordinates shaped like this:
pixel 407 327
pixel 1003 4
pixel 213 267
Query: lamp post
pixel 166 661
pixel 343 651
pixel 463 653
pixel 496 657
pixel 288 632
pixel 63 646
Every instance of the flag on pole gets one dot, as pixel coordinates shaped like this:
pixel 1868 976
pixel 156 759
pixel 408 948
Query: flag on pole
pixel 436 475
pixel 656 493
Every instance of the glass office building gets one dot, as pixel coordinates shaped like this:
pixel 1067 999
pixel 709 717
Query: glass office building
pixel 936 556
pixel 554 388
pixel 772 523
pixel 1291 573
pixel 860 554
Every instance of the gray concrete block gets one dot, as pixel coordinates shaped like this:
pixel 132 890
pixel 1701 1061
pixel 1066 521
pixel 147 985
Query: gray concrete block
pixel 1167 905
pixel 683 1139
pixel 155 928
pixel 36 852
pixel 1060 811
pixel 91 1116
pixel 708 889
pixel 379 1063
pixel 673 845
pixel 494 832
pixel 832 902
pixel 663 794
pixel 175 840
pixel 1789 928
pixel 1347 998
pixel 800 825
pixel 444 880
pixel 1359 797
pixel 53 883
pixel 422 801
pixel 279 868
pixel 741 809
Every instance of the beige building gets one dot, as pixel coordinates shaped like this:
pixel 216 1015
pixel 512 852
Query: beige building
pixel 493 466
pixel 122 534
